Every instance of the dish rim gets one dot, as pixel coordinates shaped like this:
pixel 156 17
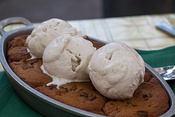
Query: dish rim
pixel 59 105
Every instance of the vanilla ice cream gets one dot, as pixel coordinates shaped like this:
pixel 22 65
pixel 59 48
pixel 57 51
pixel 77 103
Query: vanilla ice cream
pixel 66 59
pixel 116 70
pixel 47 31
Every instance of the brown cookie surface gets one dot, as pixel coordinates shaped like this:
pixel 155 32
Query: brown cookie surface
pixel 150 100
pixel 82 95
pixel 17 41
pixel 29 71
pixel 17 54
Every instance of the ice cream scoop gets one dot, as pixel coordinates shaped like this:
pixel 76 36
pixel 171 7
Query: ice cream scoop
pixel 66 59
pixel 47 31
pixel 116 70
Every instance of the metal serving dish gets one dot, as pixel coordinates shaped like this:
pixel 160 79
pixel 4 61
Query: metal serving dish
pixel 42 103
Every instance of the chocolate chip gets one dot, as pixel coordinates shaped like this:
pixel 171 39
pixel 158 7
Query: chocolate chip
pixel 51 87
pixel 83 94
pixel 142 114
pixel 27 67
pixel 145 97
pixel 130 103
pixel 34 61
pixel 93 98
pixel 73 88
pixel 64 88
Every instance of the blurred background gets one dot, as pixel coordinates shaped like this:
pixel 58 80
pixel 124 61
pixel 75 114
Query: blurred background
pixel 40 10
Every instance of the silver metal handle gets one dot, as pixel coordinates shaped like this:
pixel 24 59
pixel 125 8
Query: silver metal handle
pixel 13 20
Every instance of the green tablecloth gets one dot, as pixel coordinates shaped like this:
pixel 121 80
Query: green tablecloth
pixel 11 104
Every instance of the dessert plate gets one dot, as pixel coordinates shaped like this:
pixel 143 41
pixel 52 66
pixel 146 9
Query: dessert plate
pixel 42 103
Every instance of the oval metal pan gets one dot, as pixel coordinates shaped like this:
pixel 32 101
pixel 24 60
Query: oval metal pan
pixel 48 106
